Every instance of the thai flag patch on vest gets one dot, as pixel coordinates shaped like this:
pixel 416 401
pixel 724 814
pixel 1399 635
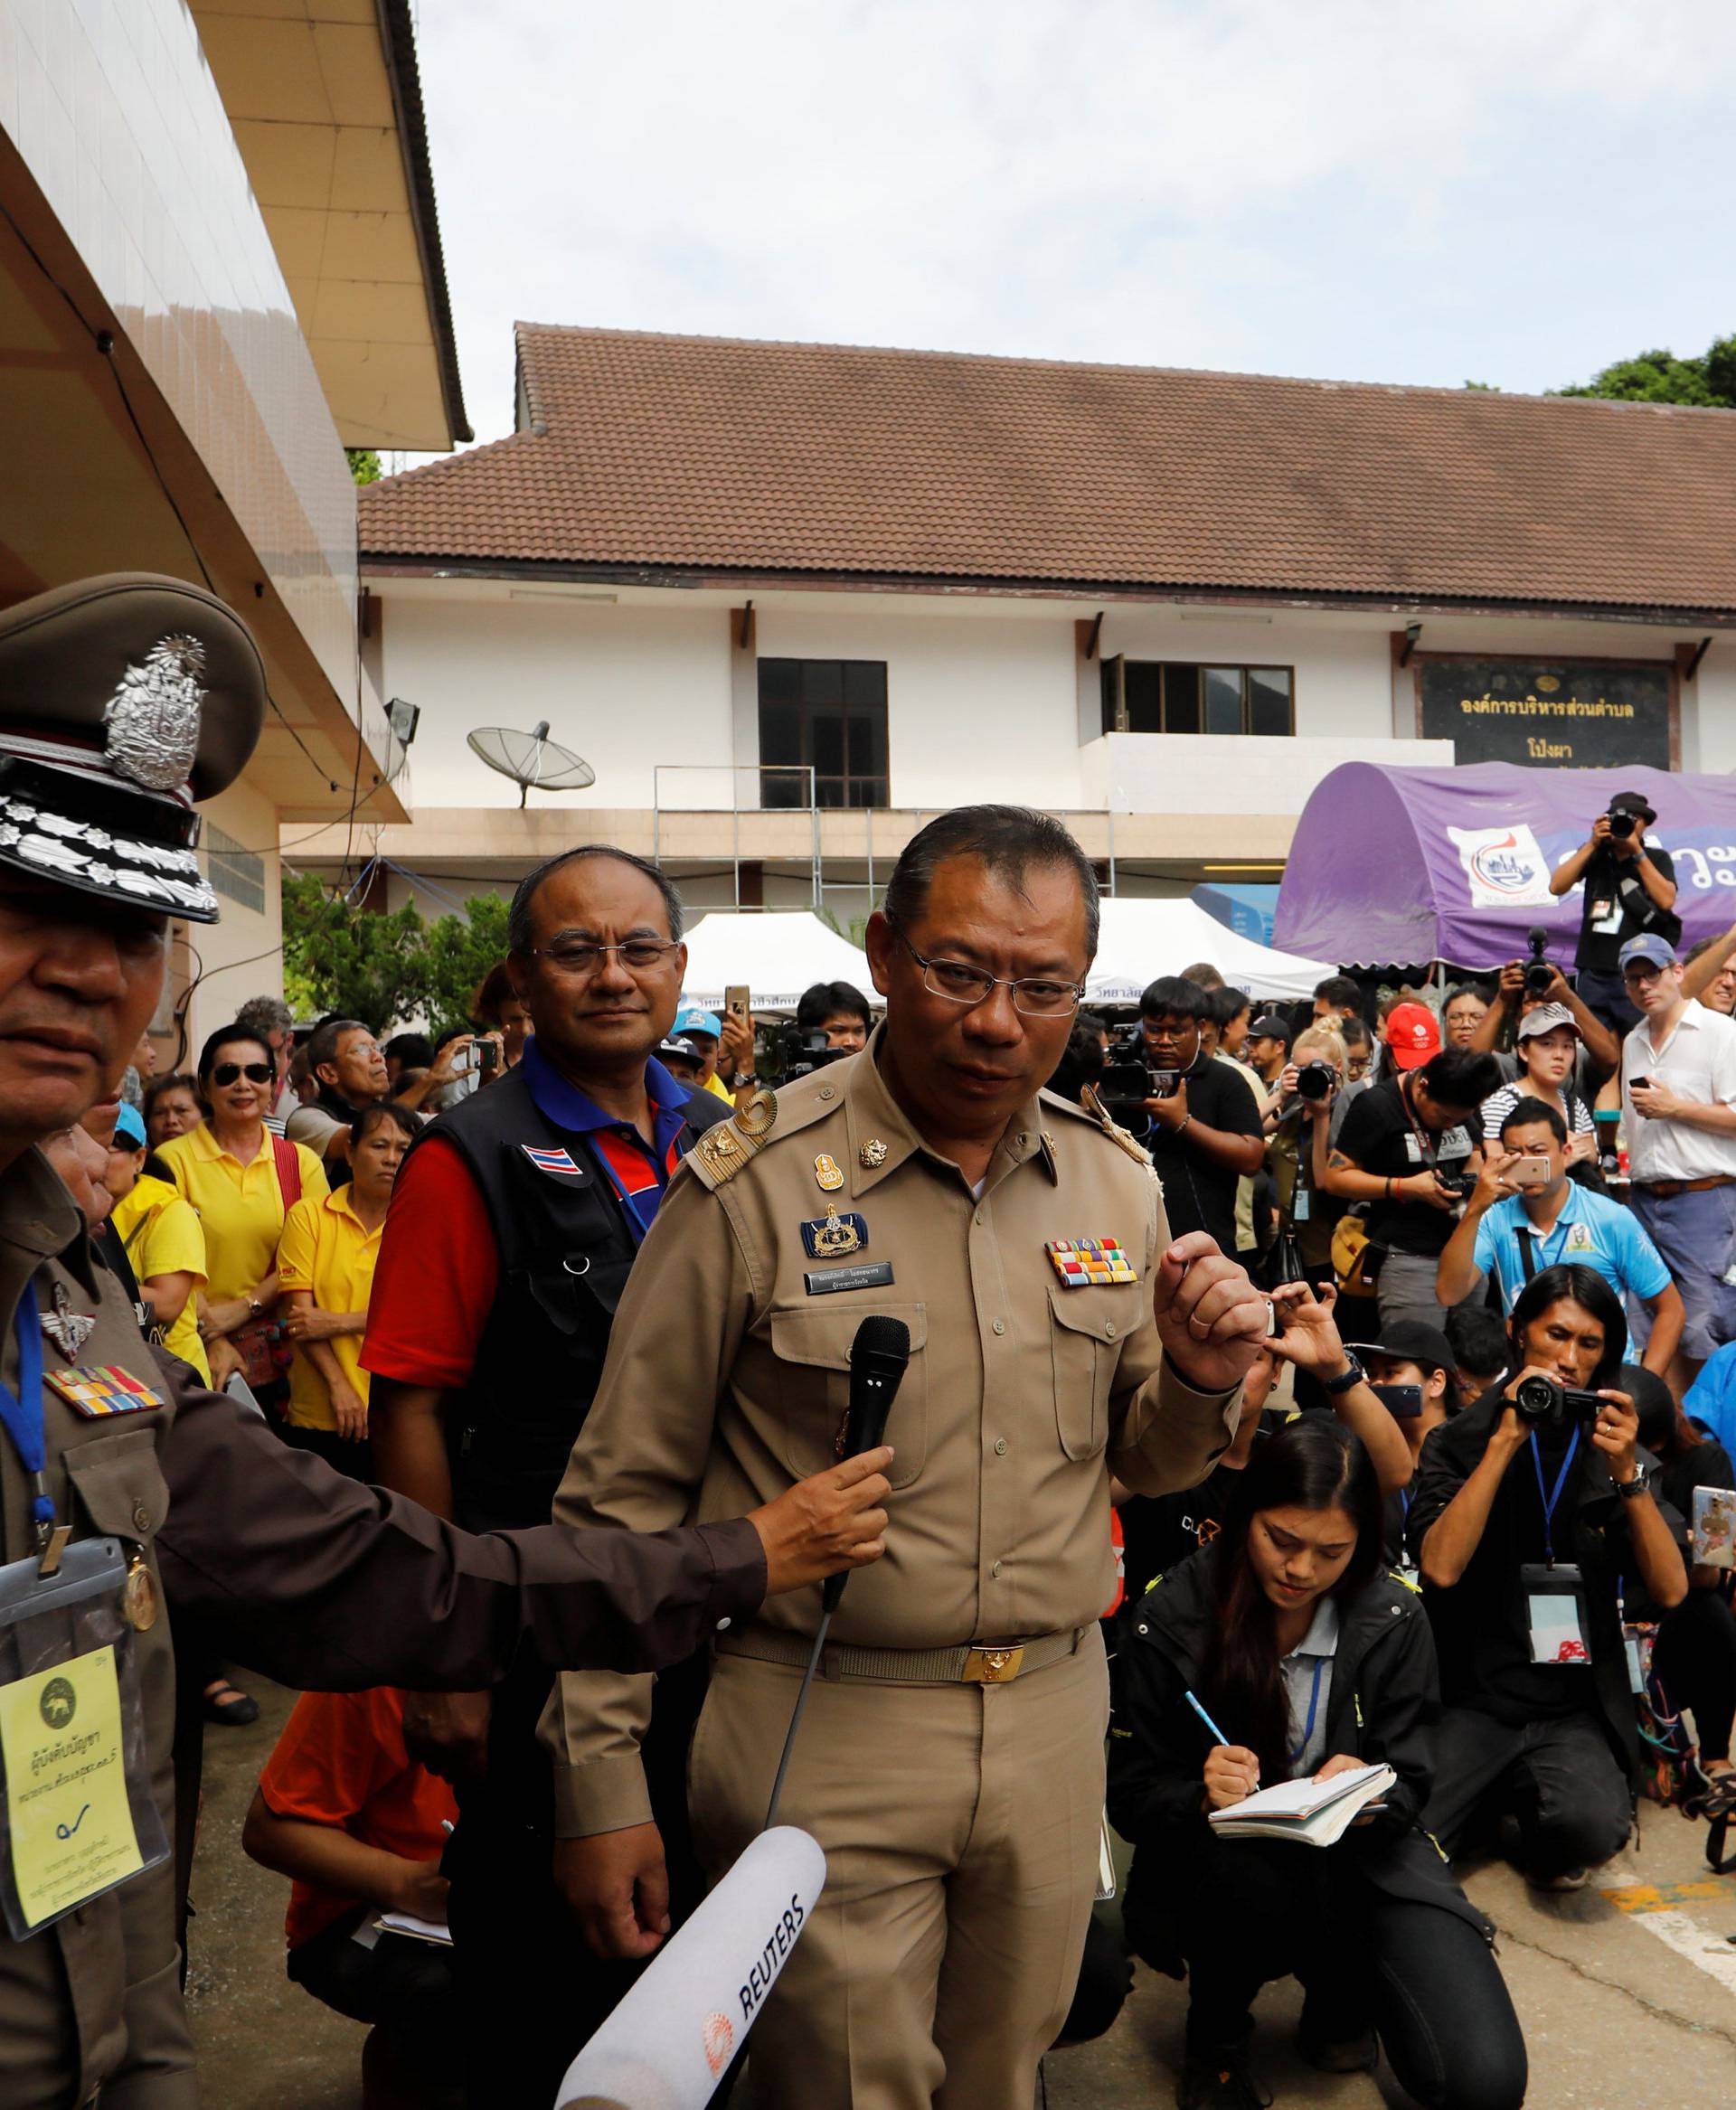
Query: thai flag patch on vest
pixel 551 1161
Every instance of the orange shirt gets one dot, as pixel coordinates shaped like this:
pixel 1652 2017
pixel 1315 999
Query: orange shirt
pixel 341 1760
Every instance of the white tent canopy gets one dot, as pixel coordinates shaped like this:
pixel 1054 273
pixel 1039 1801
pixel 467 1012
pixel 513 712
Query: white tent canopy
pixel 1142 939
pixel 778 955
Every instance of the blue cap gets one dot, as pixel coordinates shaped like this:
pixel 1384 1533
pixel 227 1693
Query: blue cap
pixel 691 1020
pixel 130 1123
pixel 1655 951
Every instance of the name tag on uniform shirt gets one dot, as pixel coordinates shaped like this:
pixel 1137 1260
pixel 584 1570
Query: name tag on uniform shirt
pixel 871 1275
pixel 99 1390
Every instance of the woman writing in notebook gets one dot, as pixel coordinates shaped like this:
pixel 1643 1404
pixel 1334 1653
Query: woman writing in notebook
pixel 1291 1634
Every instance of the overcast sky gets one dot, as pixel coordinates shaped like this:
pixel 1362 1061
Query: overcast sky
pixel 1512 190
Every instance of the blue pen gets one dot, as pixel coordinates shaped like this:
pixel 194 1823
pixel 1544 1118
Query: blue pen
pixel 1205 1718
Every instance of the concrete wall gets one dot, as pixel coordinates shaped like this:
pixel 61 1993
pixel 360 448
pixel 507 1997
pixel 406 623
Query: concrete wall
pixel 113 108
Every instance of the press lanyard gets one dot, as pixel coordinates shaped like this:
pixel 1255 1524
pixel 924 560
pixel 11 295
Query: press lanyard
pixel 21 1411
pixel 1550 1502
pixel 1313 1702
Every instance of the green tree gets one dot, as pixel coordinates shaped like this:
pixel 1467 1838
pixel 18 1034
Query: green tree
pixel 458 951
pixel 340 958
pixel 1707 383
pixel 364 465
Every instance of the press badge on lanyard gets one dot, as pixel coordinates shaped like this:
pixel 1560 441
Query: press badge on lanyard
pixel 76 1814
pixel 1554 1590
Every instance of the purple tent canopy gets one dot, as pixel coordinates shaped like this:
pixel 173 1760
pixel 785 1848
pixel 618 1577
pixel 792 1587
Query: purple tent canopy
pixel 1393 866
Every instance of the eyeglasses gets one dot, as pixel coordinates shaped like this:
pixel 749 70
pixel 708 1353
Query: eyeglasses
pixel 1033 995
pixel 225 1073
pixel 641 955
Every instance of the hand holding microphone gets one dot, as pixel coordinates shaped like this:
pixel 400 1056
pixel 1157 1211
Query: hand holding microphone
pixel 878 1356
pixel 826 1524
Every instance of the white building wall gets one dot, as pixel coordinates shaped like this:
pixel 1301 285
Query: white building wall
pixel 979 704
pixel 625 686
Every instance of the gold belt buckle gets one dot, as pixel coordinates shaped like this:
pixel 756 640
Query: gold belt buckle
pixel 993 1666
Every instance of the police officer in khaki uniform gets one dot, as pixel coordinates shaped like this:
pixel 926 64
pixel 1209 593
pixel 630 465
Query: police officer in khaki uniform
pixel 951 1760
pixel 121 701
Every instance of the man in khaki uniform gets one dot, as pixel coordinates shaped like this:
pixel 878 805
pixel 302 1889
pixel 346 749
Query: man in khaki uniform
pixel 121 701
pixel 951 1760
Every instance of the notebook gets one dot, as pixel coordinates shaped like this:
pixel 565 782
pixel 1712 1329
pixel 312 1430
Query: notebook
pixel 1317 1813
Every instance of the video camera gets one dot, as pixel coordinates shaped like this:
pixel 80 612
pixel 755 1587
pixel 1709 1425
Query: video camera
pixel 1540 976
pixel 793 1051
pixel 1128 1079
pixel 1542 1402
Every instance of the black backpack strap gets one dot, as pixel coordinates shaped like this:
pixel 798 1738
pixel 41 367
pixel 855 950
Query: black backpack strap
pixel 1527 1257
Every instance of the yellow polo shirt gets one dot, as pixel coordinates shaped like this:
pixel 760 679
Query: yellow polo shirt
pixel 329 1251
pixel 240 1207
pixel 162 1237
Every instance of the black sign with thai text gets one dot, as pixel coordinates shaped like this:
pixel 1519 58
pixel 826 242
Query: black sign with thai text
pixel 1567 714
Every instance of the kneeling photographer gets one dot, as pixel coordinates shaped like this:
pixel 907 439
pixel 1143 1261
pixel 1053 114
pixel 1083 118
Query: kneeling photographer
pixel 1408 1149
pixel 1527 1510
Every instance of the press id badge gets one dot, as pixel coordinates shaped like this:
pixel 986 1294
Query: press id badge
pixel 1605 918
pixel 1554 1602
pixel 76 1814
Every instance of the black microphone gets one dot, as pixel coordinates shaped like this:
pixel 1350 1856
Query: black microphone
pixel 878 1356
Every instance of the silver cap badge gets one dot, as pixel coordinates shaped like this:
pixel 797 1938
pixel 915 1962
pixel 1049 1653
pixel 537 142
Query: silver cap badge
pixel 153 718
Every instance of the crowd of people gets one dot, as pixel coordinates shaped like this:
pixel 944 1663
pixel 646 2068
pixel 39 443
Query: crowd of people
pixel 1367 1432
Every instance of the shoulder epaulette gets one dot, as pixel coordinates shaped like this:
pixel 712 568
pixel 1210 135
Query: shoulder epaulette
pixel 1113 1129
pixel 724 1149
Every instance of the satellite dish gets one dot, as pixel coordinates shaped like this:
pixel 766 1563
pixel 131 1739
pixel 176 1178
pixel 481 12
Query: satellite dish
pixel 532 760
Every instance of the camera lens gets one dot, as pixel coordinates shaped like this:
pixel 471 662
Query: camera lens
pixel 1314 1080
pixel 1537 1399
pixel 1621 824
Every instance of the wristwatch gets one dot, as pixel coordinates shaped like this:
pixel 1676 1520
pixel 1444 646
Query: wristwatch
pixel 741 1078
pixel 1351 1376
pixel 1629 1488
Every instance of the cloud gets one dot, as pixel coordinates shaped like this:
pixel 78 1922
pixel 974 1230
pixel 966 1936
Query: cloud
pixel 1423 194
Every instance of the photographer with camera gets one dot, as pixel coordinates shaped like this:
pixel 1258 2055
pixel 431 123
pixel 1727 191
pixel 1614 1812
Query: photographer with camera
pixel 1525 1513
pixel 1296 1155
pixel 1204 1126
pixel 1630 891
pixel 1525 1214
pixel 1527 1510
pixel 1678 1100
pixel 1406 1149
pixel 839 1010
pixel 1524 987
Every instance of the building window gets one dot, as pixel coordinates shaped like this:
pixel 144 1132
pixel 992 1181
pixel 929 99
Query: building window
pixel 827 715
pixel 235 873
pixel 1150 695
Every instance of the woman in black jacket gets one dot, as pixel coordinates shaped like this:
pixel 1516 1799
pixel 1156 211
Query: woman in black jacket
pixel 1312 1656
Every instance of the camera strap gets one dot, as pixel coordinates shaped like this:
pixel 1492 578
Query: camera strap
pixel 1553 1502
pixel 1431 1156
pixel 1528 1259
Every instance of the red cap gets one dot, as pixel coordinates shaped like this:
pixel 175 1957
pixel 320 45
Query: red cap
pixel 1412 1034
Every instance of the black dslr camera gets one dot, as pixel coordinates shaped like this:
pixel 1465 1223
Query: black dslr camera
pixel 1547 1404
pixel 1540 976
pixel 1622 826
pixel 1315 1080
pixel 1128 1079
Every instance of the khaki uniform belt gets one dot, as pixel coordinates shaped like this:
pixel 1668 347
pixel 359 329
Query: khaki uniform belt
pixel 985 1663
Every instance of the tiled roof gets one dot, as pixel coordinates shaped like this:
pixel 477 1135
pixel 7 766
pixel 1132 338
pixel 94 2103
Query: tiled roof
pixel 715 455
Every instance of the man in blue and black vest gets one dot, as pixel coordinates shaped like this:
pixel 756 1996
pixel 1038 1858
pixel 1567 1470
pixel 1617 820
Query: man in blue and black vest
pixel 513 1228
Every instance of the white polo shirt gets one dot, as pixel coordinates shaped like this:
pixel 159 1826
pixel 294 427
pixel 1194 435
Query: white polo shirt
pixel 1697 1060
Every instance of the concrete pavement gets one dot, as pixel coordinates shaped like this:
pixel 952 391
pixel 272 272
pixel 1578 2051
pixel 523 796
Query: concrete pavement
pixel 1626 1991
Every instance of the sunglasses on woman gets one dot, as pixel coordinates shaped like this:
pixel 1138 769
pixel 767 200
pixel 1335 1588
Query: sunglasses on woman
pixel 225 1073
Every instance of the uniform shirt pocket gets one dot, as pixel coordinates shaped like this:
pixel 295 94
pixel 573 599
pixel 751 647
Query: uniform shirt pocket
pixel 812 1347
pixel 119 1483
pixel 1087 1328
